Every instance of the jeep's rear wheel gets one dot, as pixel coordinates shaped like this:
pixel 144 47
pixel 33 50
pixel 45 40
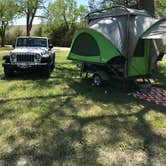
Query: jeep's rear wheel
pixel 8 72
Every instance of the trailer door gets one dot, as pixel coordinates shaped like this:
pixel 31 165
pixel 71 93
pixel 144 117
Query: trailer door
pixel 138 65
pixel 142 65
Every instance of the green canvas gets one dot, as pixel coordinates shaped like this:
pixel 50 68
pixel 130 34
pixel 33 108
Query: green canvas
pixel 106 49
pixel 139 65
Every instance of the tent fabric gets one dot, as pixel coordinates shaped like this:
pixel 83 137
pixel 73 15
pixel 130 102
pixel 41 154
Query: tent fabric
pixel 113 29
pixel 122 26
pixel 138 25
pixel 156 48
pixel 114 12
pixel 157 36
pixel 156 31
pixel 86 45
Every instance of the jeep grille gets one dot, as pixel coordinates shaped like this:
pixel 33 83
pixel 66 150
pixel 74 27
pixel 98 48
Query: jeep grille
pixel 25 58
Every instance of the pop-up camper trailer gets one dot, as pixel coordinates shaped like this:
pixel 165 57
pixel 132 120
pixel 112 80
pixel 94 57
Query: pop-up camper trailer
pixel 119 42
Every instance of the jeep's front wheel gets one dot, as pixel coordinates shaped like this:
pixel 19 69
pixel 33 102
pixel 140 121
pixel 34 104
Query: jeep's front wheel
pixel 53 63
pixel 47 70
pixel 8 72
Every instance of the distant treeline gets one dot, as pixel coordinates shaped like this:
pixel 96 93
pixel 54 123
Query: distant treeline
pixel 59 36
pixel 60 19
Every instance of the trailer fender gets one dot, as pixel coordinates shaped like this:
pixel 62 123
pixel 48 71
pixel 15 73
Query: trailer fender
pixel 103 75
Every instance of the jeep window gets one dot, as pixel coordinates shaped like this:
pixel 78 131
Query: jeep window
pixel 31 42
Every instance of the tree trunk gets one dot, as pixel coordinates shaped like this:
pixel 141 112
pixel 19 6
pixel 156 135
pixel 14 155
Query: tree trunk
pixel 3 35
pixel 30 18
pixel 65 20
pixel 3 39
pixel 27 26
pixel 28 31
pixel 148 5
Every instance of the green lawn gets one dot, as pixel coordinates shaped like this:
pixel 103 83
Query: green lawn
pixel 6 48
pixel 64 120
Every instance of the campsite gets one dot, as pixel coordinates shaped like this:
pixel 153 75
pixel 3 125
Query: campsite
pixel 64 119
pixel 60 114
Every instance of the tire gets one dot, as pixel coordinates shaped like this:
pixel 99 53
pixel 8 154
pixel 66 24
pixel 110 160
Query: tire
pixel 53 63
pixel 97 80
pixel 52 66
pixel 47 71
pixel 8 72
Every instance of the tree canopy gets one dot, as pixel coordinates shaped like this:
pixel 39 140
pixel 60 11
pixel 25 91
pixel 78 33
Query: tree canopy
pixel 64 17
pixel 161 8
pixel 137 4
pixel 61 18
pixel 65 12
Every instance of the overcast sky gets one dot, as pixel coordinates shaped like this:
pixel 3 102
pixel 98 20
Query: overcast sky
pixel 22 21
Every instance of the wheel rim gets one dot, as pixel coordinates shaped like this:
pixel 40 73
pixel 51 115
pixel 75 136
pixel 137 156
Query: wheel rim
pixel 97 80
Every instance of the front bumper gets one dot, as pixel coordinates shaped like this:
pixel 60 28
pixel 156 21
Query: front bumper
pixel 16 66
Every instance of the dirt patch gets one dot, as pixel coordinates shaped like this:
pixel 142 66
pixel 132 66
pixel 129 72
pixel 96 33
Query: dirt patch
pixel 61 48
pixel 4 51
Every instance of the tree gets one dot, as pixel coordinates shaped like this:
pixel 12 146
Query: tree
pixel 64 18
pixel 65 12
pixel 93 4
pixel 8 10
pixel 138 4
pixel 82 12
pixel 148 5
pixel 161 8
pixel 29 9
pixel 127 3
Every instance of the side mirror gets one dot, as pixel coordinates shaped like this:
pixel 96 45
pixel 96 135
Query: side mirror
pixel 13 45
pixel 50 46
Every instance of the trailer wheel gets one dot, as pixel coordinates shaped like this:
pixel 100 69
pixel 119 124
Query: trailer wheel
pixel 97 80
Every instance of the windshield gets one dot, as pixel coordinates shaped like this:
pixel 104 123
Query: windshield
pixel 31 42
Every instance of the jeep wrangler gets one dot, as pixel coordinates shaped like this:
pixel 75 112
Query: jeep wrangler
pixel 30 53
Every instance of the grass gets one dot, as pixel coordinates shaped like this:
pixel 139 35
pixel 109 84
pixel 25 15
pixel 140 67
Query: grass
pixel 6 48
pixel 64 120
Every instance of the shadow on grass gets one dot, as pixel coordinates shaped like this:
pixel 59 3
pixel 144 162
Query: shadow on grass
pixel 140 129
pixel 55 143
pixel 26 75
pixel 160 79
pixel 59 145
pixel 67 144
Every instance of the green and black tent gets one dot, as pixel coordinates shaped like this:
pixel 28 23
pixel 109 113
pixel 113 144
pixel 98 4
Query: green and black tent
pixel 127 41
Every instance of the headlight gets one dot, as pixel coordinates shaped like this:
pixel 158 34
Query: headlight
pixel 37 56
pixel 45 55
pixel 13 56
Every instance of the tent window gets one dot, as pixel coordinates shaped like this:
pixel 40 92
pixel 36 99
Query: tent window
pixel 86 45
pixel 139 51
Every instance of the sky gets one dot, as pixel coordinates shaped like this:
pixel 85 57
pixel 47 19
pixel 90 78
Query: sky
pixel 22 21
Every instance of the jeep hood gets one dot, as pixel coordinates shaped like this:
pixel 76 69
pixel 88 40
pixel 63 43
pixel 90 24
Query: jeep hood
pixel 33 50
